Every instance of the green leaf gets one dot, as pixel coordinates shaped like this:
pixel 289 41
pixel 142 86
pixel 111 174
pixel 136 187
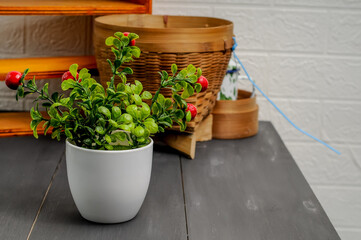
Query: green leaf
pixel 46 127
pixel 137 99
pixel 108 146
pixel 113 123
pixel 125 40
pixel 145 110
pixel 54 96
pixel 109 41
pixel 117 43
pixel 193 79
pixel 126 118
pixel 155 109
pixel 73 70
pixel 179 114
pixel 35 133
pixel 132 110
pixel 139 86
pixel 161 99
pixel 126 127
pixel 100 130
pixel 185 93
pixel 67 84
pixel 132 36
pixel 121 136
pixel 167 103
pixel 190 89
pixel 108 139
pixel 46 104
pixel 105 111
pixel 127 70
pixel 45 88
pixel 198 87
pixel 120 87
pixel 117 63
pixel 146 95
pixel 174 69
pixel 118 34
pixel 136 53
pixel 116 112
pixel 54 105
pixel 178 99
pixel 64 101
pixel 35 115
pixel 182 74
pixel 191 70
pixel 165 75
pixel 150 124
pixel 199 72
pixel 68 134
pixel 83 72
pixel 116 53
pixel 188 116
pixel 138 131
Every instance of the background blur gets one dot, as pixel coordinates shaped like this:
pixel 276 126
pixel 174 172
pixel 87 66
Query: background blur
pixel 306 55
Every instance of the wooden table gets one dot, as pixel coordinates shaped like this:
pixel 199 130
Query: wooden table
pixel 234 189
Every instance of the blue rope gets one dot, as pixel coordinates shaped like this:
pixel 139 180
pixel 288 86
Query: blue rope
pixel 275 106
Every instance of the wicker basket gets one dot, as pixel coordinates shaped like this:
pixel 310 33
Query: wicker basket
pixel 201 41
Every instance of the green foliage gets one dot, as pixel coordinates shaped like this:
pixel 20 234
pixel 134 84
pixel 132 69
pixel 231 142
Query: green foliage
pixel 117 117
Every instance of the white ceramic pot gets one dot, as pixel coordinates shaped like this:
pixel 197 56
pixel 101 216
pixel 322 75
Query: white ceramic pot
pixel 108 186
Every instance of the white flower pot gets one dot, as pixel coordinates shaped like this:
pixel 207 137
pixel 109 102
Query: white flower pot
pixel 108 186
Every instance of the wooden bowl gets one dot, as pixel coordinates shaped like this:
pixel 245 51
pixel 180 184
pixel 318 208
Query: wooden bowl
pixel 235 119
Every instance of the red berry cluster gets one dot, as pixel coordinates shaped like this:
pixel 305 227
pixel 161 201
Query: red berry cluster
pixel 12 79
pixel 67 75
pixel 131 43
pixel 190 107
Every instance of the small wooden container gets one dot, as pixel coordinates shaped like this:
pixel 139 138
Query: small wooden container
pixel 235 119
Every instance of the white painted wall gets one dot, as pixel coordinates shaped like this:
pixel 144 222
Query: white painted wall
pixel 306 55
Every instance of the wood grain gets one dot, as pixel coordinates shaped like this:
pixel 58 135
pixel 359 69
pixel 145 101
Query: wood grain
pixel 251 189
pixel 17 124
pixel 161 216
pixel 26 167
pixel 45 67
pixel 72 7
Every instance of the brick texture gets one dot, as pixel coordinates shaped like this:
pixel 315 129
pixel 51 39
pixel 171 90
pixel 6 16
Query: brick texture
pixel 305 54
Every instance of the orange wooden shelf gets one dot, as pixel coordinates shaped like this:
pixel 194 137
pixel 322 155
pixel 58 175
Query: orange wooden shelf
pixel 17 124
pixel 44 67
pixel 73 7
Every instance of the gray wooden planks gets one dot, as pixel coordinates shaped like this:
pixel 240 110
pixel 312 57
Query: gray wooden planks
pixel 250 189
pixel 161 216
pixel 26 168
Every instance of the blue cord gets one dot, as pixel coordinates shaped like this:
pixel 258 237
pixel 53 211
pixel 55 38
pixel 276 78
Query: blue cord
pixel 275 106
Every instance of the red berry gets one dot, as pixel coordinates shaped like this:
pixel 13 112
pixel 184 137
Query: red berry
pixel 132 43
pixel 192 109
pixel 204 82
pixel 12 79
pixel 67 75
pixel 125 34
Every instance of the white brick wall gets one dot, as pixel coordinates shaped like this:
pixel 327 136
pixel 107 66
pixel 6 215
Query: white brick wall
pixel 305 54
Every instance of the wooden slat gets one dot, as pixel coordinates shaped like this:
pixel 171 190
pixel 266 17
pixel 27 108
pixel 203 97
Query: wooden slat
pixel 161 217
pixel 251 189
pixel 44 67
pixel 72 7
pixel 26 168
pixel 17 124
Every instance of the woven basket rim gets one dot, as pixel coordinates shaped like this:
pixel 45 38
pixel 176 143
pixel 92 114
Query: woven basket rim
pixel 227 24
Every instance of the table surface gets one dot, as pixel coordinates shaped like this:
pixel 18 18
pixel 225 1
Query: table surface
pixel 234 189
